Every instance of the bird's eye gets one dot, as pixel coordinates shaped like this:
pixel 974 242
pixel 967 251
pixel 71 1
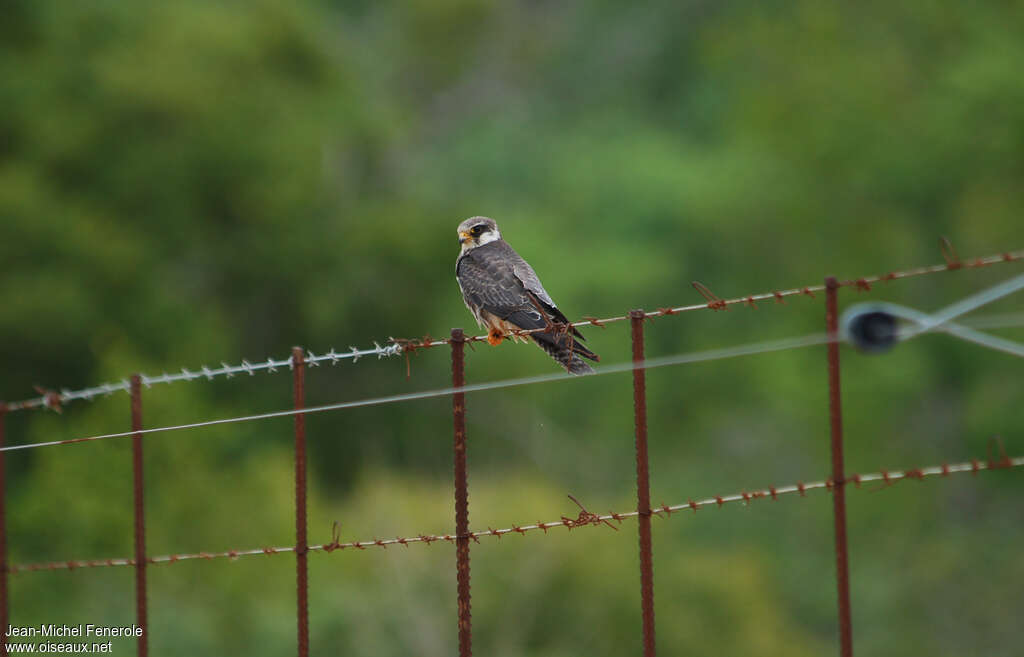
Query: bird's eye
pixel 477 230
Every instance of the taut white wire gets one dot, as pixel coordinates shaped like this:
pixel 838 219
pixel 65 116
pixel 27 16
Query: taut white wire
pixel 926 323
pixel 952 328
pixel 943 319
pixel 972 302
pixel 271 365
pixel 678 359
pixel 994 321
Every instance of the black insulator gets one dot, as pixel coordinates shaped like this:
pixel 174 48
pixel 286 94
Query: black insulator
pixel 872 331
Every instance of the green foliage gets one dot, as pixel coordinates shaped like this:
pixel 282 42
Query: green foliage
pixel 198 181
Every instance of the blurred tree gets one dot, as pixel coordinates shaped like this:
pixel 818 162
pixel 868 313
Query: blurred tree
pixel 199 181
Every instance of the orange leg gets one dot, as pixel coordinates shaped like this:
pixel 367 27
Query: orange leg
pixel 494 337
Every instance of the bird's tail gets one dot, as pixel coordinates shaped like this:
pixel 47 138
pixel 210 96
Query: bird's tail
pixel 566 350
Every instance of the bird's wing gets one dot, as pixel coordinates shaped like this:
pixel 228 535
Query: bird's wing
pixel 489 282
pixel 555 345
pixel 524 272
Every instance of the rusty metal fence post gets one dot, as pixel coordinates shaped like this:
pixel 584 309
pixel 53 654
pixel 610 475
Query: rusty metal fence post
pixel 301 545
pixel 458 340
pixel 135 390
pixel 838 476
pixel 643 483
pixel 4 618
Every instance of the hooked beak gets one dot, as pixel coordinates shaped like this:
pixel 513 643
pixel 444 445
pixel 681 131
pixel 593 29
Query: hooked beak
pixel 463 237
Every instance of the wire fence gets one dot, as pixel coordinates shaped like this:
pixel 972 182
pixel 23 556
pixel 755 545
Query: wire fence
pixel 584 518
pixel 53 399
pixel 300 360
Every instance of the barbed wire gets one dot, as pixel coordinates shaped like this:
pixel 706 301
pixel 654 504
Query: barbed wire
pixel 53 399
pixel 584 518
pixel 939 321
pixel 627 366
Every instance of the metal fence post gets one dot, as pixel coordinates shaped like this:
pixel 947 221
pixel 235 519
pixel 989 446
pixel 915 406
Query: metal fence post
pixel 643 483
pixel 838 476
pixel 135 390
pixel 4 617
pixel 458 340
pixel 301 546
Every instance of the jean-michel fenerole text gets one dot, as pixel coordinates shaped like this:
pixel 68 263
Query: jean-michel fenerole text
pixel 83 630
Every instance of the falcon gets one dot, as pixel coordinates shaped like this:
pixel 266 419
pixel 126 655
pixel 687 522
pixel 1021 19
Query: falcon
pixel 504 295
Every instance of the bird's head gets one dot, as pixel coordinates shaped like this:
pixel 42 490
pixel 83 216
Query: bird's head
pixel 477 231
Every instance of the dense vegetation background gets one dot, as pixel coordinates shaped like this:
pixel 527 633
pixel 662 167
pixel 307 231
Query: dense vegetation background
pixel 190 182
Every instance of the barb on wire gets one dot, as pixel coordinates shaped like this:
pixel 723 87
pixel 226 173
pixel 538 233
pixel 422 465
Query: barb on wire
pixel 887 478
pixel 714 302
pixel 949 253
pixel 398 346
pixel 584 518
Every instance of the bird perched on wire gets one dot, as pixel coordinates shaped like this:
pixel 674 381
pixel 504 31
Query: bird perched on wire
pixel 504 295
